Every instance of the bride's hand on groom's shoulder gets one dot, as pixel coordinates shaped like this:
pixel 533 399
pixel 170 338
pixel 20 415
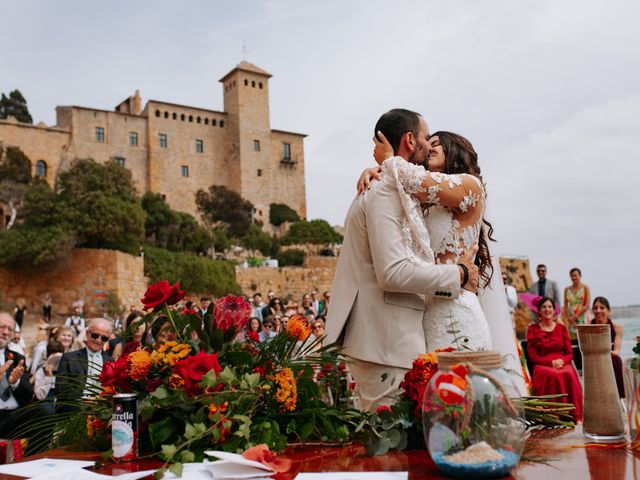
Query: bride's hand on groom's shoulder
pixel 368 174
pixel 382 148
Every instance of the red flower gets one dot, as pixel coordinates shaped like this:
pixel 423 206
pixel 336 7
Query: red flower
pixel 253 336
pixel 115 374
pixel 193 368
pixel 259 369
pixel 261 453
pixel 188 311
pixel 383 408
pixel 162 293
pixel 231 311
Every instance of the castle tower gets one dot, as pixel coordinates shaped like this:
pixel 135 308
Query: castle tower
pixel 246 102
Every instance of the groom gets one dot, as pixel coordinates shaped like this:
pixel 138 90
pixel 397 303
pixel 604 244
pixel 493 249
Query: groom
pixel 378 291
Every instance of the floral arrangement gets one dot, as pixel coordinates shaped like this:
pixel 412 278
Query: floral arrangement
pixel 216 387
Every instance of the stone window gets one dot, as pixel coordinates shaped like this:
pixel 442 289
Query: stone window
pixel 199 146
pixel 260 85
pixel 253 83
pixel 157 113
pixel 221 123
pixel 182 117
pixel 133 139
pixel 175 116
pixel 256 145
pixel 185 170
pixel 198 120
pixel 166 114
pixel 120 161
pixel 41 169
pixel 286 152
pixel 164 197
pixel 206 121
pixel 100 134
pixel 213 122
pixel 246 82
pixel 259 172
pixel 162 137
pixel 191 118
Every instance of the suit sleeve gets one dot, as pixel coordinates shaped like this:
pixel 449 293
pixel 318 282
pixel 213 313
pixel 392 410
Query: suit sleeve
pixel 394 270
pixel 23 393
pixel 62 377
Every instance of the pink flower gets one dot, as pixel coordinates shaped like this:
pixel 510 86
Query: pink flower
pixel 231 311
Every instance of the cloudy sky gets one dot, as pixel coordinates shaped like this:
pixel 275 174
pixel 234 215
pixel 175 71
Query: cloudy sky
pixel 548 92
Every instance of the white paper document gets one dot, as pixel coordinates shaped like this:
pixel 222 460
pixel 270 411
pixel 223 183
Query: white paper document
pixel 81 474
pixel 43 466
pixel 353 476
pixel 233 465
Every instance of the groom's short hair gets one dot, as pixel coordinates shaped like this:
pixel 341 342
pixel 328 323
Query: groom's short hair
pixel 395 123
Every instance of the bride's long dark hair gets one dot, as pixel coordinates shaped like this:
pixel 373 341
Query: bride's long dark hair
pixel 460 157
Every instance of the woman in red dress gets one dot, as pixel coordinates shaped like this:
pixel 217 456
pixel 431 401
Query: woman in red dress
pixel 549 348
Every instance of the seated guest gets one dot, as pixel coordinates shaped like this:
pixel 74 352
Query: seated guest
pixel 253 326
pixel 45 379
pixel 136 332
pixel 267 332
pixel 550 351
pixel 162 331
pixel 79 371
pixel 15 388
pixel 601 312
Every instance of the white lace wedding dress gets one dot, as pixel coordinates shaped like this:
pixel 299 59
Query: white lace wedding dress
pixel 448 227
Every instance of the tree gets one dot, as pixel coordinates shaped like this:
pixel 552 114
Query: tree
pixel 221 206
pixel 30 248
pixel 15 106
pixel 316 232
pixel 15 176
pixel 256 239
pixel 175 231
pixel 103 207
pixel 280 213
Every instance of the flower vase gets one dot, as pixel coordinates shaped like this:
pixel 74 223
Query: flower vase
pixel 602 415
pixel 472 417
pixel 632 393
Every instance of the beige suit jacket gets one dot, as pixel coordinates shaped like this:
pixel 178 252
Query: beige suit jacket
pixel 378 292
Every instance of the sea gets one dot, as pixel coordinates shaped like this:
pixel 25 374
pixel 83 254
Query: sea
pixel 631 331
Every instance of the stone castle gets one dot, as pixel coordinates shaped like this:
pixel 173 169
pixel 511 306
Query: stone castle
pixel 176 150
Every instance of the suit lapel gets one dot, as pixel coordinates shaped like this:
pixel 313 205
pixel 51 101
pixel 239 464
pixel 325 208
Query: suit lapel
pixel 84 361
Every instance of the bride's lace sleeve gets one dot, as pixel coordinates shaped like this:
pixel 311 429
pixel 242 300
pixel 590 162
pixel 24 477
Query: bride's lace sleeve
pixel 461 191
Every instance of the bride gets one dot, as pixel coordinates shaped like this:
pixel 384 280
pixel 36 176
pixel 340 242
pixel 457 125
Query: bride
pixel 454 196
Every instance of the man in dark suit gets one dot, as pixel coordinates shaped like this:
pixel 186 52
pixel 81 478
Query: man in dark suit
pixel 15 388
pixel 79 372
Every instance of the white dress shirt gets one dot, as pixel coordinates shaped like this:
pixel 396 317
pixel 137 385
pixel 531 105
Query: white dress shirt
pixel 94 368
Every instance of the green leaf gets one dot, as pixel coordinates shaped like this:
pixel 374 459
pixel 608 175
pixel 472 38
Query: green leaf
pixel 189 431
pixel 210 380
pixel 160 431
pixel 107 456
pixel 306 430
pixel 227 376
pixel 160 393
pixel 253 379
pixel 200 428
pixel 393 436
pixel 176 469
pixel 187 456
pixel 168 451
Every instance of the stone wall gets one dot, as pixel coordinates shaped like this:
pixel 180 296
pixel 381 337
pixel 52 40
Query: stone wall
pixel 87 274
pixel 316 273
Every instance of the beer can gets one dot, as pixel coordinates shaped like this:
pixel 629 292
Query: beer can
pixel 124 427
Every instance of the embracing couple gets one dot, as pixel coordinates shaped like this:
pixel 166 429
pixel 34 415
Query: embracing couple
pixel 414 255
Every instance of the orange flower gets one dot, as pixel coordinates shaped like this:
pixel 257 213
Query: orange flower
pixel 176 381
pixel 140 364
pixel 108 391
pixel 298 328
pixel 287 393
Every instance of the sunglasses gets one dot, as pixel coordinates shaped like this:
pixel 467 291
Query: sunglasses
pixel 97 336
pixel 267 326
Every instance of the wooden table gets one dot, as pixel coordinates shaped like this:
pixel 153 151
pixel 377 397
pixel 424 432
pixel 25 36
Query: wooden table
pixel 556 447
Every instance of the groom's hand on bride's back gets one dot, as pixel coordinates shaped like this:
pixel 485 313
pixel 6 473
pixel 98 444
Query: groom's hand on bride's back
pixel 468 259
